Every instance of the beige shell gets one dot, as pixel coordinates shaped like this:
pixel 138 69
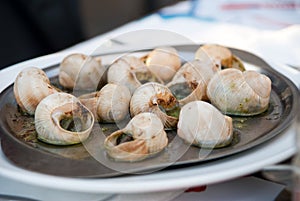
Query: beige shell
pixel 239 93
pixel 221 56
pixel 30 87
pixel 190 82
pixel 203 125
pixel 61 119
pixel 80 71
pixel 130 72
pixel 156 98
pixel 143 137
pixel 110 104
pixel 163 62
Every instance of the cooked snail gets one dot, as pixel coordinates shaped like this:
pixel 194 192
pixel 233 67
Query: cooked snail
pixel 239 93
pixel 163 62
pixel 221 56
pixel 81 72
pixel 110 104
pixel 30 87
pixel 190 82
pixel 203 125
pixel 143 137
pixel 131 72
pixel 61 119
pixel 158 99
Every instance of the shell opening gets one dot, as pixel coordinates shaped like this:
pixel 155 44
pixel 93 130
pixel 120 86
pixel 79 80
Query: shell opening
pixel 173 112
pixel 73 118
pixel 124 137
pixel 167 104
pixel 70 123
pixel 181 90
pixel 144 77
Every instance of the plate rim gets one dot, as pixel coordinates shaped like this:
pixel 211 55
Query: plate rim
pixel 170 180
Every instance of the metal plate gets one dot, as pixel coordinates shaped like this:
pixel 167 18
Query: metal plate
pixel 90 160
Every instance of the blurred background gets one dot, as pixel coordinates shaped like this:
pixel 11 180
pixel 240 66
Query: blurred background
pixel 32 28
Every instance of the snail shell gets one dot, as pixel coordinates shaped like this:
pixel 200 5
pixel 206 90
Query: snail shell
pixel 203 125
pixel 143 137
pixel 30 87
pixel 81 72
pixel 130 72
pixel 156 98
pixel 110 104
pixel 221 56
pixel 190 82
pixel 239 93
pixel 163 62
pixel 61 119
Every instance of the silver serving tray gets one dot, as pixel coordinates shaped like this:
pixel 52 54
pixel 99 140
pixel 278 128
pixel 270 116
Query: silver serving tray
pixel 89 159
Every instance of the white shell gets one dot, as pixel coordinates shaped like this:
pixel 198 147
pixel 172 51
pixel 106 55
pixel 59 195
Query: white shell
pixel 221 56
pixel 49 116
pixel 154 97
pixel 30 87
pixel 192 77
pixel 148 138
pixel 239 93
pixel 81 72
pixel 163 62
pixel 203 125
pixel 130 72
pixel 110 104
